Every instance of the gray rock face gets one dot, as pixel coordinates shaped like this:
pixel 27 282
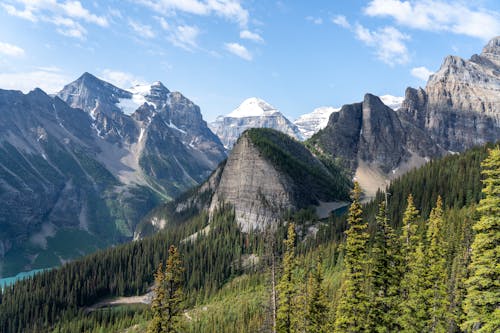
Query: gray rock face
pixel 266 175
pixel 252 113
pixel 460 106
pixel 94 169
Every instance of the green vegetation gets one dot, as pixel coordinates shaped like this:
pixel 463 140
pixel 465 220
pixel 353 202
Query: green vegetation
pixel 406 264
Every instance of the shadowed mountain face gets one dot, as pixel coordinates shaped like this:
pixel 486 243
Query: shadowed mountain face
pixel 459 108
pixel 81 176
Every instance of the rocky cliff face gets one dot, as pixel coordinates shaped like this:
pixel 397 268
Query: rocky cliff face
pixel 252 113
pixel 266 175
pixel 75 178
pixel 373 142
pixel 460 106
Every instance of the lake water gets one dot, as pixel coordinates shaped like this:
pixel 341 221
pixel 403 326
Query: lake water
pixel 23 275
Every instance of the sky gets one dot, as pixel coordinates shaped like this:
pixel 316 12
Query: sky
pixel 296 55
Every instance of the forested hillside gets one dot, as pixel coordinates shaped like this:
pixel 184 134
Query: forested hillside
pixel 412 266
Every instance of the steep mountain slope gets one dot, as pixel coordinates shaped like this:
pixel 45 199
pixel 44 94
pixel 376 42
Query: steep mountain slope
pixel 252 113
pixel 76 179
pixel 460 106
pixel 266 175
pixel 370 140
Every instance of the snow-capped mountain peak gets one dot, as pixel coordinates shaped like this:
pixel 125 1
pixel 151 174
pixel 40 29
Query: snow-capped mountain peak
pixel 252 107
pixel 152 94
pixel 394 102
pixel 310 123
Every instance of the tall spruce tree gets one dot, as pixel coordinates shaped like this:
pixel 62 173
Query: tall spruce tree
pixel 287 287
pixel 409 237
pixel 317 307
pixel 155 326
pixel 168 295
pixel 353 307
pixel 482 302
pixel 174 295
pixel 385 276
pixel 436 277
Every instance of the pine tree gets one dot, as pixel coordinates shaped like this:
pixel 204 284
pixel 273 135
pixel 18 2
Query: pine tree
pixel 352 309
pixel 409 238
pixel 172 304
pixel 155 325
pixel 436 277
pixel 317 307
pixel 385 276
pixel 287 286
pixel 168 295
pixel 482 302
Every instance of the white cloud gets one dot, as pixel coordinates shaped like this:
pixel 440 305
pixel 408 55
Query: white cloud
pixel 341 21
pixel 163 23
pixel 253 36
pixel 185 36
pixel 49 79
pixel 229 9
pixel 421 73
pixel 315 20
pixel 121 79
pixel 388 43
pixel 239 50
pixel 142 30
pixel 439 15
pixel 11 50
pixel 67 15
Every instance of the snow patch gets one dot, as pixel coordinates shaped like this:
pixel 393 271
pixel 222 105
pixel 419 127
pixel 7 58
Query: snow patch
pixel 253 107
pixel 394 102
pixel 172 125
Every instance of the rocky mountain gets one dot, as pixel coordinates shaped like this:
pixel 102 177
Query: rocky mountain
pixel 310 123
pixel 460 106
pixel 79 170
pixel 371 140
pixel 266 175
pixel 458 109
pixel 252 113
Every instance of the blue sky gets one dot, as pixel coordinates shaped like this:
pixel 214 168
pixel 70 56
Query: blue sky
pixel 297 55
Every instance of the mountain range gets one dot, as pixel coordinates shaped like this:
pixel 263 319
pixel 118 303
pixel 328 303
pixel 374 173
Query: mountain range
pixel 95 164
pixel 79 170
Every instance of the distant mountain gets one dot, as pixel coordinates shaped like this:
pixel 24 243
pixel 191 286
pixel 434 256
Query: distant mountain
pixel 311 123
pixel 266 175
pixel 394 102
pixel 252 113
pixel 78 171
pixel 459 109
pixel 460 106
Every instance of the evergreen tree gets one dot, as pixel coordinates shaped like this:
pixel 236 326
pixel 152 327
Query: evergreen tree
pixel 172 305
pixel 168 295
pixel 155 325
pixel 385 276
pixel 317 307
pixel 409 237
pixel 352 309
pixel 436 277
pixel 482 302
pixel 287 287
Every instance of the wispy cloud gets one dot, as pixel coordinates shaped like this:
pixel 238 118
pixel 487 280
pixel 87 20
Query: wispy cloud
pixel 421 73
pixel 121 79
pixel 438 15
pixel 239 50
pixel 341 21
pixel 143 30
pixel 67 16
pixel 11 50
pixel 185 36
pixel 315 20
pixel 253 36
pixel 229 9
pixel 388 42
pixel 49 79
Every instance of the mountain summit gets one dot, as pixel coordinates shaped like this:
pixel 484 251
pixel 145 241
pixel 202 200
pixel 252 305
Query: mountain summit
pixel 252 113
